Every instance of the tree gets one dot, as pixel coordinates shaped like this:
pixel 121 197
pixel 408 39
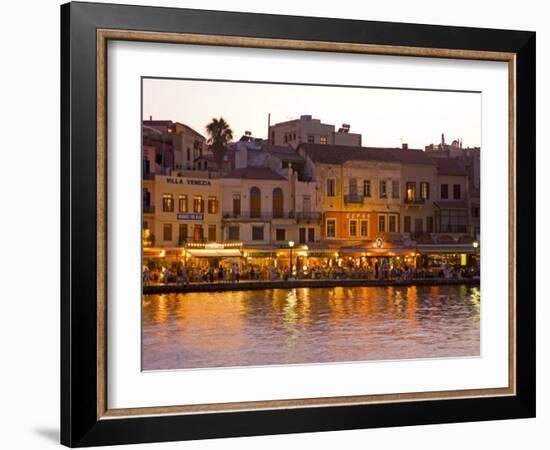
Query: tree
pixel 219 135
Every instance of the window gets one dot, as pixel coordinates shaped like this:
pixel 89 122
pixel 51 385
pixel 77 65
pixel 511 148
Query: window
pixel 395 189
pixel 198 204
pixel 146 199
pixel 353 227
pixel 411 191
pixel 366 188
pixel 280 234
pixel 429 224
pixel 311 234
pixel 182 232
pixel 451 221
pixel 475 211
pixel 418 226
pixel 273 137
pixel 306 204
pixel 353 186
pixel 294 136
pixel 257 233
pixel 424 190
pixel 364 228
pixel 167 232
pixel 407 224
pixel 456 191
pixel 323 140
pixel 444 191
pixel 212 205
pixel 211 232
pixel 182 203
pixel 392 223
pixel 198 233
pixel 383 189
pixel 331 228
pixel 158 158
pixel 381 224
pixel 310 139
pixel 168 203
pixel 302 233
pixel 236 204
pixel 286 138
pixel 188 154
pixel 278 203
pixel 331 187
pixel 255 202
pixel 233 233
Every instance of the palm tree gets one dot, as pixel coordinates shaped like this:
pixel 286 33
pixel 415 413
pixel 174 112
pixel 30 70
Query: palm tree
pixel 219 135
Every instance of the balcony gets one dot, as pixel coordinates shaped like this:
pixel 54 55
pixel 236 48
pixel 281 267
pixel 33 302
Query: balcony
pixel 257 215
pixel 414 201
pixel 148 209
pixel 354 198
pixel 308 216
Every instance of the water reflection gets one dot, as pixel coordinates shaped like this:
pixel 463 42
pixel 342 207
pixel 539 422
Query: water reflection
pixel 308 325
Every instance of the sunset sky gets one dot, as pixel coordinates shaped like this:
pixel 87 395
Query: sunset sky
pixel 384 117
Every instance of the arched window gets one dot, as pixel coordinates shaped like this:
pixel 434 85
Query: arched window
pixel 278 203
pixel 255 202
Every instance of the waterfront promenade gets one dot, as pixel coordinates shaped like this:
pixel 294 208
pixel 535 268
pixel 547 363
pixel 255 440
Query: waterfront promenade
pixel 248 285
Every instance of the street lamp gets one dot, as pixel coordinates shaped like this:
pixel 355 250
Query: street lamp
pixel 290 245
pixel 475 244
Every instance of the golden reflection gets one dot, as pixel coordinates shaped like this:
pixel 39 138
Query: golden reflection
pixel 304 325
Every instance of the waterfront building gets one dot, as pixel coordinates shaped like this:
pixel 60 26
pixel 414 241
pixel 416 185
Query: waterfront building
pixel 187 209
pixel 306 129
pixel 470 159
pixel 383 202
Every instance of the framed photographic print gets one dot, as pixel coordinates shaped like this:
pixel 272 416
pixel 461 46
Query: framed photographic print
pixel 276 224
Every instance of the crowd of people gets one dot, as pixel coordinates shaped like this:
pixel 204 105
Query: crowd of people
pixel 233 273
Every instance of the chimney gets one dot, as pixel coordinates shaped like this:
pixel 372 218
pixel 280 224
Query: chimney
pixel 150 118
pixel 405 146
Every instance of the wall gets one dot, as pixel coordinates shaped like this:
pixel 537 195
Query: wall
pixel 30 356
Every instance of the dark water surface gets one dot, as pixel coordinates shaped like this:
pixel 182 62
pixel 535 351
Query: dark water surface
pixel 309 325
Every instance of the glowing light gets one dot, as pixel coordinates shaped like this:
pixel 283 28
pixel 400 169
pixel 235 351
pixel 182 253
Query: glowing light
pixel 291 244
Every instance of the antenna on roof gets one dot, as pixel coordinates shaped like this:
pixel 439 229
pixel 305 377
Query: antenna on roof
pixel 268 128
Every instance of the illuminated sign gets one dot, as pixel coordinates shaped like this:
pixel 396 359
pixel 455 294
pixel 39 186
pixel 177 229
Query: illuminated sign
pixel 190 216
pixel 378 242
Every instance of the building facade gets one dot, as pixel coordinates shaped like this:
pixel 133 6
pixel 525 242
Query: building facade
pixel 187 209
pixel 306 129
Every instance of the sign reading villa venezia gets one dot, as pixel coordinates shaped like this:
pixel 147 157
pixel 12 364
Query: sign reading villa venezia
pixel 171 180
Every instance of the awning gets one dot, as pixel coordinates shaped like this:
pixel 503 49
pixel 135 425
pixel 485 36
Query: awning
pixel 451 205
pixel 451 248
pixel 378 251
pixel 214 253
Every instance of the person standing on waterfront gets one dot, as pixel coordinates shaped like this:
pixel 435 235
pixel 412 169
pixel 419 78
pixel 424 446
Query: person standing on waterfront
pixel 184 275
pixel 220 274
pixel 147 276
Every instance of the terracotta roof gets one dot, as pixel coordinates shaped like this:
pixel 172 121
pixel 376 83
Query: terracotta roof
pixel 449 166
pixel 339 154
pixel 255 173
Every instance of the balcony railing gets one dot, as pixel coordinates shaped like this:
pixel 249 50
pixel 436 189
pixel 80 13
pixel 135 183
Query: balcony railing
pixel 354 198
pixel 260 215
pixel 451 228
pixel 148 209
pixel 415 200
pixel 308 216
